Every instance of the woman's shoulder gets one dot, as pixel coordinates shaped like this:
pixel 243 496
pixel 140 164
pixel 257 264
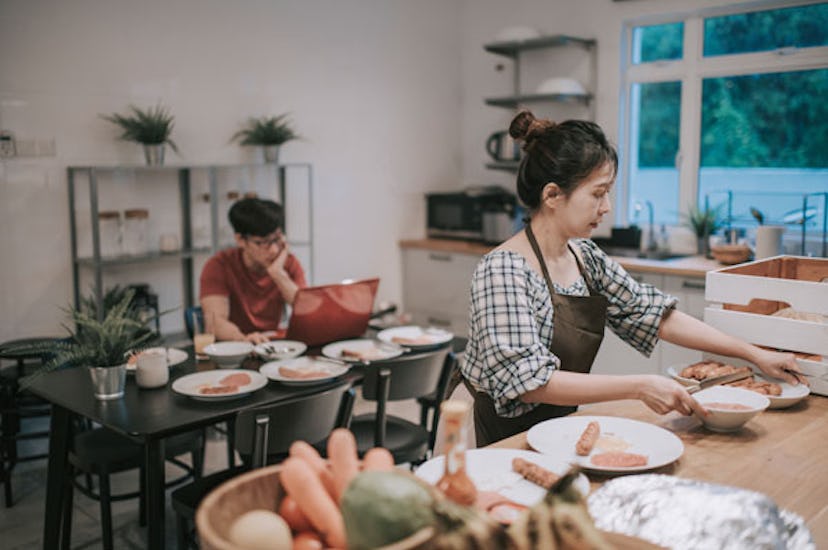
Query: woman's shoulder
pixel 501 260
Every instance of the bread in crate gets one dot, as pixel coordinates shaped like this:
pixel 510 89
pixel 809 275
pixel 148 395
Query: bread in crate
pixel 779 302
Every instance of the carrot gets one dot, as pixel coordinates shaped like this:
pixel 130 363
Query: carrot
pixel 305 487
pixel 306 452
pixel 342 452
pixel 379 459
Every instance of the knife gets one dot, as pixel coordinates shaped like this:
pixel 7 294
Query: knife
pixel 717 380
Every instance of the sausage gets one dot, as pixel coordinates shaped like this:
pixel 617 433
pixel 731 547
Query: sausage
pixel 588 439
pixel 535 473
pixel 305 487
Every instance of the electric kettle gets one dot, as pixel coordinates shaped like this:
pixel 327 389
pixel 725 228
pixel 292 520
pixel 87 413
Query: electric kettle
pixel 501 146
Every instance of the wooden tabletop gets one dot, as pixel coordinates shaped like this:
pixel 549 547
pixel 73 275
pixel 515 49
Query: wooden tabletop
pixel 782 453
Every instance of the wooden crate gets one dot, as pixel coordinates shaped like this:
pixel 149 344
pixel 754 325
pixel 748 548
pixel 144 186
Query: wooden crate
pixel 745 297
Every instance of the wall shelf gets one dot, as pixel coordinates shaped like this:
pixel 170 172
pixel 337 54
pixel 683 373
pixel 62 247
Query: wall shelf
pixel 513 48
pixel 513 102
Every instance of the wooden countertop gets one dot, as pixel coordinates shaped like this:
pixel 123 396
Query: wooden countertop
pixel 782 453
pixel 690 266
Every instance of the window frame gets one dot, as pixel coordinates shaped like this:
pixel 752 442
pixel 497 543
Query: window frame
pixel 690 71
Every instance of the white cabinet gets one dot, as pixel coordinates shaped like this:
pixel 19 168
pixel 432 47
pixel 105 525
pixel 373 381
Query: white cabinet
pixel 436 287
pixel 690 293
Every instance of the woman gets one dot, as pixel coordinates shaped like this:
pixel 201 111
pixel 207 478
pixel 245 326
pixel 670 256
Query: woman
pixel 539 301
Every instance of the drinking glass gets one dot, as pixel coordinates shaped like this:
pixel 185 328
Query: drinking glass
pixel 201 337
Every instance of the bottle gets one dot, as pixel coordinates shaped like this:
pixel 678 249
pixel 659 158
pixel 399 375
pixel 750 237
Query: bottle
pixel 109 227
pixel 202 237
pixel 456 483
pixel 135 231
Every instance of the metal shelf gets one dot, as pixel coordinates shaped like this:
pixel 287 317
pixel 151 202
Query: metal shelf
pixel 513 101
pixel 511 49
pixel 505 165
pixel 124 259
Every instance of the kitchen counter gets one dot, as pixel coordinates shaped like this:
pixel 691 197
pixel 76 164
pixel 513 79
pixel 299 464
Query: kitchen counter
pixel 689 266
pixel 781 453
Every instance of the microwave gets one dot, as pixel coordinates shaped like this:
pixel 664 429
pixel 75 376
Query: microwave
pixel 487 214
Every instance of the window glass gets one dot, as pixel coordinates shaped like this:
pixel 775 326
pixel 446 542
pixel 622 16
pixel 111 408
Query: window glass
pixel 654 143
pixel 801 27
pixel 658 42
pixel 764 144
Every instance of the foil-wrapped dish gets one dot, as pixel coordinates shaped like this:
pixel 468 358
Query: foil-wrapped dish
pixel 683 513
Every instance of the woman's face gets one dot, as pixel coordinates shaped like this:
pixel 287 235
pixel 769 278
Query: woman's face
pixel 587 205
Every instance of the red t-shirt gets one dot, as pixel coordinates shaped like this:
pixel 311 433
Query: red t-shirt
pixel 255 301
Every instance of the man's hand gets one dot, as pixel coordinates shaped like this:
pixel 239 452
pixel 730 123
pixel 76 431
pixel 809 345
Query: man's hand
pixel 276 269
pixel 259 337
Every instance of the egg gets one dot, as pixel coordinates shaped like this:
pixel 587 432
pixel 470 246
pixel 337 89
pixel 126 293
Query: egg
pixel 260 530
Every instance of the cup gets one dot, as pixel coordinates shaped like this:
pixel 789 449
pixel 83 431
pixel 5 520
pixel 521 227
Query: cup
pixel 201 337
pixel 151 369
pixel 168 242
pixel 768 241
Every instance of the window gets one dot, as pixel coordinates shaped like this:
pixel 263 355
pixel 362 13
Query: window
pixel 728 109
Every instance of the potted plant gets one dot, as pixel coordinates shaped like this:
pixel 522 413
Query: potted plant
pixel 101 346
pixel 269 132
pixel 151 128
pixel 704 222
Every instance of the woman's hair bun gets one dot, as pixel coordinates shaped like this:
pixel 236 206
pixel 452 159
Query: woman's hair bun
pixel 520 125
pixel 526 127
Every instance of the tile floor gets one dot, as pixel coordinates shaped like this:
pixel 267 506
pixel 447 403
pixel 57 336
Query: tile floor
pixel 21 526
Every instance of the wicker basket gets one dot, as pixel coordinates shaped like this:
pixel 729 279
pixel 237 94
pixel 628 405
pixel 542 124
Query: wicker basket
pixel 729 254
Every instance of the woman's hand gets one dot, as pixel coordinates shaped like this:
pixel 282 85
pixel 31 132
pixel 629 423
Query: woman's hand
pixel 663 395
pixel 779 365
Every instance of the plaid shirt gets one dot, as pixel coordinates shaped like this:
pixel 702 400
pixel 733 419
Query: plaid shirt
pixel 511 321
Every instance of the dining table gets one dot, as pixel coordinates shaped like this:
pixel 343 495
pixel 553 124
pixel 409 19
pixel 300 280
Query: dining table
pixel 782 453
pixel 147 416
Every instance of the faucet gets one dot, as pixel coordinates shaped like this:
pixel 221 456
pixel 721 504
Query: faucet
pixel 652 244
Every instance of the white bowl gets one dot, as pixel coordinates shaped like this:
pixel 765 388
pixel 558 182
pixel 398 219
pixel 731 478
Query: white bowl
pixel 517 34
pixel 228 354
pixel 561 86
pixel 729 420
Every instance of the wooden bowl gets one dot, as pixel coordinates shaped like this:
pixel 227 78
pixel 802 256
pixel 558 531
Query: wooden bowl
pixel 730 254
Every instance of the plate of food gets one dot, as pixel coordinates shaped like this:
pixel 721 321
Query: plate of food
pixel 219 384
pixel 519 475
pixel 606 443
pixel 174 357
pixel 780 393
pixel 361 350
pixel 415 337
pixel 302 371
pixel 280 349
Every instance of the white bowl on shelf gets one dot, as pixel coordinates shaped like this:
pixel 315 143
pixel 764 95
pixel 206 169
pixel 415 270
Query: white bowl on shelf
pixel 228 354
pixel 518 33
pixel 723 419
pixel 557 85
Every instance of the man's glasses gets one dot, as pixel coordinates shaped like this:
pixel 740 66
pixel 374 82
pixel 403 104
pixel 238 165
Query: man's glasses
pixel 265 243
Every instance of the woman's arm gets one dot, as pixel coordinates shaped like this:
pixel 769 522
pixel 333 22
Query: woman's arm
pixel 659 393
pixel 684 330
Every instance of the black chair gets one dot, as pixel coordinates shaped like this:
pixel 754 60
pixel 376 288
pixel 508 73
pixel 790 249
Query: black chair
pixel 190 315
pixel 401 378
pixel 101 452
pixel 16 407
pixel 264 436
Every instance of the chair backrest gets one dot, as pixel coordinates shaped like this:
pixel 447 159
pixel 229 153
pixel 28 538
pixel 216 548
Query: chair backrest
pixel 190 314
pixel 409 376
pixel 269 431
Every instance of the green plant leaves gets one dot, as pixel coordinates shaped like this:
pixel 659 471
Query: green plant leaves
pixel 273 130
pixel 152 126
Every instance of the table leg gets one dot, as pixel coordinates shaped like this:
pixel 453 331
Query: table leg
pixel 156 501
pixel 56 472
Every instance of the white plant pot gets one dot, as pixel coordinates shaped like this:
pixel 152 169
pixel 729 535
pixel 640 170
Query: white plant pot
pixel 154 154
pixel 271 153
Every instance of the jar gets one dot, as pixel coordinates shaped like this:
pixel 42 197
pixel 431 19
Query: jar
pixel 227 234
pixel 135 231
pixel 202 236
pixel 109 231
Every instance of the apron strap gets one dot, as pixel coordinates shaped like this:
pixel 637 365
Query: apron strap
pixel 533 242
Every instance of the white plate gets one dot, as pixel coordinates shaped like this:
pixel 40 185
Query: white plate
pixel 379 350
pixel 558 437
pixel 174 357
pixel 491 470
pixel 435 336
pixel 280 349
pixel 791 395
pixel 191 384
pixel 271 370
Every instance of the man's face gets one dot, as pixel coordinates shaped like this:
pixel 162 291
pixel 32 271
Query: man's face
pixel 261 250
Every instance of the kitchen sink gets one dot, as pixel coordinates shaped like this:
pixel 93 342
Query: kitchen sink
pixel 626 252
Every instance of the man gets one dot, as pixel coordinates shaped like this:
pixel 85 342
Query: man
pixel 244 289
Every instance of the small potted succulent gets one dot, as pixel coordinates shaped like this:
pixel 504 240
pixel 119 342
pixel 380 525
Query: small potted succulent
pixel 151 127
pixel 269 132
pixel 103 346
pixel 704 222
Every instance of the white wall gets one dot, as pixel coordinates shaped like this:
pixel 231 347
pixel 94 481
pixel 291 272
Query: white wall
pixel 372 86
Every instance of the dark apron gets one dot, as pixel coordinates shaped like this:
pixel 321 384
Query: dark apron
pixel 578 331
